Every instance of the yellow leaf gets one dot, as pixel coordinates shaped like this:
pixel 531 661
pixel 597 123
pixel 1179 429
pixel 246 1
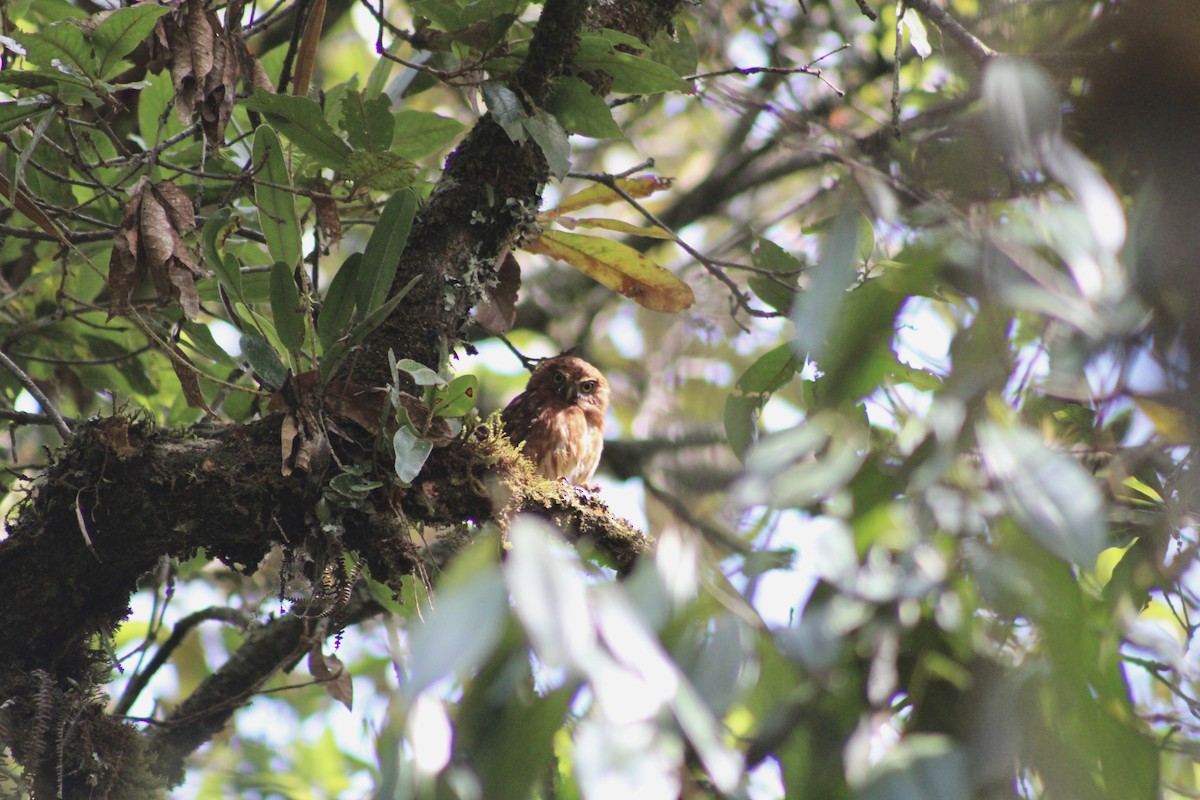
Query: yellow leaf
pixel 619 267
pixel 1169 421
pixel 599 194
pixel 652 232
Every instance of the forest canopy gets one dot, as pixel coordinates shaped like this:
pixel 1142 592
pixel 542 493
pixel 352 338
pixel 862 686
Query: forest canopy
pixel 897 497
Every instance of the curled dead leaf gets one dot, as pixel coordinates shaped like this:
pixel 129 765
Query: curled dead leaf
pixel 333 676
pixel 497 312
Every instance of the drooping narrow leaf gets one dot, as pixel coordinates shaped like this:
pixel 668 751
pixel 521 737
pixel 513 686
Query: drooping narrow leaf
pixel 599 194
pixel 382 254
pixel 650 231
pixel 338 307
pixel 120 32
pixel 619 267
pixel 274 198
pixel 286 308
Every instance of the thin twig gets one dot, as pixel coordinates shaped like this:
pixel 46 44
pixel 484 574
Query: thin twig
pixel 60 424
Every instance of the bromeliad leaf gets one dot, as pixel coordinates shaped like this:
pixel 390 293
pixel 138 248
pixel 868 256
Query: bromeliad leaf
pixel 619 267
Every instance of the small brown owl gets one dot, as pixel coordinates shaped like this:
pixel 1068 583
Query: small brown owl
pixel 560 418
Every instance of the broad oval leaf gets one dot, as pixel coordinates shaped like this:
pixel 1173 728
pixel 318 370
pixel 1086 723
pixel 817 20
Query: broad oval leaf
pixel 274 198
pixel 619 267
pixel 458 398
pixel 122 31
pixel 551 137
pixel 301 121
pixel 460 632
pixel 411 453
pixel 582 111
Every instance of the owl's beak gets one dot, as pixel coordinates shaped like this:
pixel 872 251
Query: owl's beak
pixel 570 392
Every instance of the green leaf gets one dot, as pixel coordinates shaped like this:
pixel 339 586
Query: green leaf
pixel 457 399
pixel 338 351
pixel 818 310
pixel 122 31
pixel 286 308
pixel 506 109
pixel 263 360
pixel 411 453
pixel 274 198
pixel 740 414
pixel 301 121
pixel 384 171
pixel 551 137
pixel 13 114
pixel 773 370
pixel 339 301
pixel 619 267
pixel 1050 495
pixel 217 227
pixel 422 133
pixel 368 123
pixel 631 74
pixel 779 292
pixel 61 42
pixel 384 248
pixel 154 122
pixel 460 631
pixel 582 111
pixel 920 767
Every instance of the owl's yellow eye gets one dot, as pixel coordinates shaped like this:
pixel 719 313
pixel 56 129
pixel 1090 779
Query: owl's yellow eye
pixel 587 387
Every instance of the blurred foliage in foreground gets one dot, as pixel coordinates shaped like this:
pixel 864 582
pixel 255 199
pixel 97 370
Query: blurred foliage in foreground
pixel 949 550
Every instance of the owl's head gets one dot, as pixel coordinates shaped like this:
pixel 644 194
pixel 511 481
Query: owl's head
pixel 574 380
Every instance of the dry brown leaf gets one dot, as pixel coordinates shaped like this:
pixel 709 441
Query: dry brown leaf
pixel 497 312
pixel 188 379
pixel 333 676
pixel 126 268
pixel 328 218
